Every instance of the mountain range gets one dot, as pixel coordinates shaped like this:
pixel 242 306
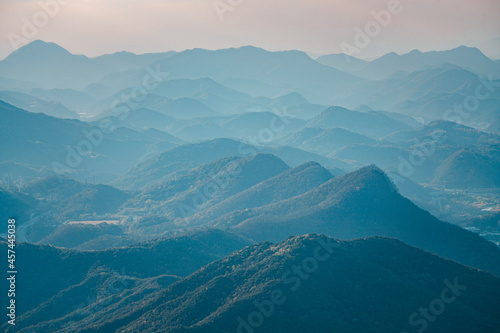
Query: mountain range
pixel 246 190
pixel 360 285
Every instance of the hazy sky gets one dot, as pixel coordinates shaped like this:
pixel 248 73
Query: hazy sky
pixel 95 27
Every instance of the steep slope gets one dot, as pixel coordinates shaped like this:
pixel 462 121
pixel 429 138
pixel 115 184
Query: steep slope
pixel 429 94
pixel 256 71
pixel 365 285
pixel 288 100
pixel 93 199
pixel 201 129
pixel 252 123
pixel 179 108
pixel 53 188
pixel 359 204
pixel 147 118
pixel 180 158
pixel 75 100
pixel 445 131
pixel 76 235
pixel 205 90
pixel 436 107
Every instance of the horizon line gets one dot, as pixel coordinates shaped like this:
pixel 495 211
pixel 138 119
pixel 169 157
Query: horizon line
pixel 312 55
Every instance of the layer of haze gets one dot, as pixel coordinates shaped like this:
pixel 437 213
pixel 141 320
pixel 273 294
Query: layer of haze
pixel 95 27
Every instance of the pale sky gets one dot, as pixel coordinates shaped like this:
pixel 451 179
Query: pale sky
pixel 95 27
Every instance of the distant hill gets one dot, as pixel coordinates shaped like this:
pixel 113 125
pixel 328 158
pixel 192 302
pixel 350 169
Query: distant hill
pixel 185 157
pixel 365 285
pixel 305 111
pixel 185 108
pixel 324 141
pixel 288 184
pixel 343 62
pixel 38 140
pixel 74 235
pixel 7 83
pixel 428 94
pixel 288 104
pixel 254 71
pixel 209 184
pixel 469 168
pixel 371 123
pixel 381 155
pixel 468 58
pixel 53 188
pixel 14 205
pixel 433 105
pixel 162 136
pixel 33 104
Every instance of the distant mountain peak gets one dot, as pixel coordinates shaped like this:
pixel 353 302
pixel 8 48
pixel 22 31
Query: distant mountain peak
pixel 372 175
pixel 390 55
pixel 250 47
pixel 39 46
pixel 414 52
pixel 336 109
pixel 371 170
pixel 308 165
pixel 466 48
pixel 449 125
pixel 265 158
